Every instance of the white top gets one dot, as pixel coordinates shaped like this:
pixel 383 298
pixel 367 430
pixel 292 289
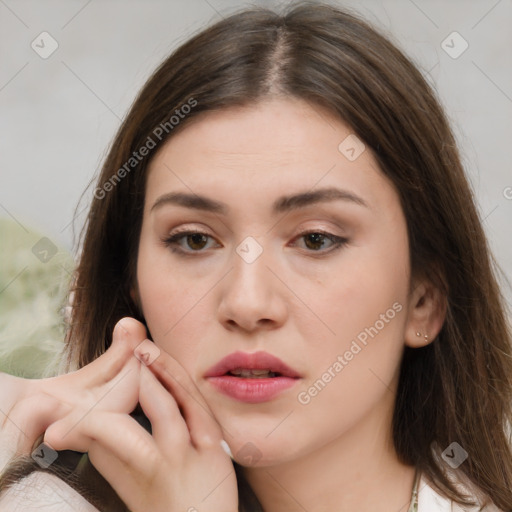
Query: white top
pixel 430 500
pixel 41 490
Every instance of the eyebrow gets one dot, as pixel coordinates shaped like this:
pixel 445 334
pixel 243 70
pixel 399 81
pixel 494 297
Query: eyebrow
pixel 281 205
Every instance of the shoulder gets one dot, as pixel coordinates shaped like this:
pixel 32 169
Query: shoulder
pixel 430 500
pixel 41 490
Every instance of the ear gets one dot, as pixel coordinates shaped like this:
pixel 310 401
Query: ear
pixel 426 314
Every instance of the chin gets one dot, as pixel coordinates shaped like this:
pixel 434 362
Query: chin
pixel 260 451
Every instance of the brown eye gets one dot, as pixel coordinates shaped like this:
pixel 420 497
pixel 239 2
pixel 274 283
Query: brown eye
pixel 314 241
pixel 195 242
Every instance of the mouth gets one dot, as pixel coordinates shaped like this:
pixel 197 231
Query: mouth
pixel 247 373
pixel 257 365
pixel 252 378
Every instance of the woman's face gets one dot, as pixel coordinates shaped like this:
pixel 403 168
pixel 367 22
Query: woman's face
pixel 333 307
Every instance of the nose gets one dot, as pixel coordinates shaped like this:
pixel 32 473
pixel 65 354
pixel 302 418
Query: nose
pixel 252 296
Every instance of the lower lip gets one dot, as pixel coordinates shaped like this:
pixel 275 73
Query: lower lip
pixel 252 391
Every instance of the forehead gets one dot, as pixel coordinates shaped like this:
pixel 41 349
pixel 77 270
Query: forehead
pixel 277 129
pixel 261 150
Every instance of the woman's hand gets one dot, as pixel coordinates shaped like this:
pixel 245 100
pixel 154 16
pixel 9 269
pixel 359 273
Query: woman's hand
pixel 110 382
pixel 181 466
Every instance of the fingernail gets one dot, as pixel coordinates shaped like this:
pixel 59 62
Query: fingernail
pixel 226 448
pixel 121 326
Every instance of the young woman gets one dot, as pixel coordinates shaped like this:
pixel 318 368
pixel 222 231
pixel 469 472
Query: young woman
pixel 283 253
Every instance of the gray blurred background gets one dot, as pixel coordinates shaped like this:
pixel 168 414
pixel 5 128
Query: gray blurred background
pixel 60 110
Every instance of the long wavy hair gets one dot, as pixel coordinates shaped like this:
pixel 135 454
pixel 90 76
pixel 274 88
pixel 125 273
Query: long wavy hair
pixel 459 387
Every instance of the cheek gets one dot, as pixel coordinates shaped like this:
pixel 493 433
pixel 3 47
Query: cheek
pixel 175 306
pixel 164 298
pixel 364 307
pixel 363 297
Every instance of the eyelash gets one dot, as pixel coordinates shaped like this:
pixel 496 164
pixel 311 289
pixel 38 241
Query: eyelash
pixel 172 241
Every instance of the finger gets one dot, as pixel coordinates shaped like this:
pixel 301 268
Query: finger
pixel 120 394
pixel 127 334
pixel 120 449
pixel 93 383
pixel 130 483
pixel 204 429
pixel 168 426
pixel 117 433
pixel 30 417
pixel 129 331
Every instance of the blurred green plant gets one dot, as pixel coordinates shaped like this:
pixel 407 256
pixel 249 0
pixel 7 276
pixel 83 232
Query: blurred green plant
pixel 34 278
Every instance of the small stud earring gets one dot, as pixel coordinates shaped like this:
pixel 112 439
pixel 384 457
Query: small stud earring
pixel 426 336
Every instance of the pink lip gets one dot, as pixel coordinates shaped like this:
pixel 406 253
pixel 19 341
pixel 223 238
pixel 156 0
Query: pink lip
pixel 249 390
pixel 254 361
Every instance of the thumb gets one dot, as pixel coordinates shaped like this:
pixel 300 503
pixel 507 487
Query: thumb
pixel 128 333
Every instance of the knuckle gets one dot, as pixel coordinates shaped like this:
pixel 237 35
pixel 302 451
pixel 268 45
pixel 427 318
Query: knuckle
pixel 208 440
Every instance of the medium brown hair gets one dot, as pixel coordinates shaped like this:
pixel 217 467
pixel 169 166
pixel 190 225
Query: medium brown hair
pixel 459 387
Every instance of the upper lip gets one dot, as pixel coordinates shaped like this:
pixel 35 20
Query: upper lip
pixel 255 360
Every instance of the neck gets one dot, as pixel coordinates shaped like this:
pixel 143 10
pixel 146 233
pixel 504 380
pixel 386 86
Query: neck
pixel 358 470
